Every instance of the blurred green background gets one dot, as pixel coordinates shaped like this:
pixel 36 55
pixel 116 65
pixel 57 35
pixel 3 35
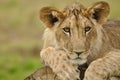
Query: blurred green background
pixel 21 34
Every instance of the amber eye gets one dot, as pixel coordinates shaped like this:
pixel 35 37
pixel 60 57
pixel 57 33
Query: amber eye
pixel 66 29
pixel 87 29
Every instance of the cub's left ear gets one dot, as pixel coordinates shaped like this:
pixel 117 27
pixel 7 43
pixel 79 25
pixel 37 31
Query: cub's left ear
pixel 99 11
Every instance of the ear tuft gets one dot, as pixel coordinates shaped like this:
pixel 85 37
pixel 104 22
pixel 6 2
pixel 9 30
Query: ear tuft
pixel 54 20
pixel 96 15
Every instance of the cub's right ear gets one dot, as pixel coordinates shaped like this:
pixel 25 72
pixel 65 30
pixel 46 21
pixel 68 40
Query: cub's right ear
pixel 50 16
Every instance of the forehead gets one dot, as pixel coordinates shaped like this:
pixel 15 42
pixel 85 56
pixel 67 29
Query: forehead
pixel 75 16
pixel 78 20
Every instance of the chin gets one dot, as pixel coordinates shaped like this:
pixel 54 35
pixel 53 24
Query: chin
pixel 78 61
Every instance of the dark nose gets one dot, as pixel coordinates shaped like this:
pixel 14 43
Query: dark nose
pixel 78 53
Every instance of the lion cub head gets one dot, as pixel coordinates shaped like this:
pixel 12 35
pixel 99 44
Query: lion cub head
pixel 77 29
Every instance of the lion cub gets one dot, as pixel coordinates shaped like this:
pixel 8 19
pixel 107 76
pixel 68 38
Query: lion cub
pixel 75 36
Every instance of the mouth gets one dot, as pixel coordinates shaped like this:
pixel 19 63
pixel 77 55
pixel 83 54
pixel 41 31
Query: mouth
pixel 78 60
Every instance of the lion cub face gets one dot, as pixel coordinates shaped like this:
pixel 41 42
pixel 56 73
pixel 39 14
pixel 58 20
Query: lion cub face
pixel 73 34
pixel 76 28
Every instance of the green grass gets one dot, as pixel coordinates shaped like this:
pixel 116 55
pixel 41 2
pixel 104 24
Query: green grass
pixel 17 67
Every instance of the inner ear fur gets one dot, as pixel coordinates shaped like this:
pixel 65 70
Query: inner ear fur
pixel 50 16
pixel 99 11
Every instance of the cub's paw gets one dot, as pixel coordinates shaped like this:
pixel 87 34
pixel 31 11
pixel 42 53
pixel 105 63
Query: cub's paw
pixel 95 71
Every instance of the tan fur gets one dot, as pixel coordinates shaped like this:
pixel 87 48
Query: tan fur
pixel 104 68
pixel 97 46
pixel 59 63
pixel 44 73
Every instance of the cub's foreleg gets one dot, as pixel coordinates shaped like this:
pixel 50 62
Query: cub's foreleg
pixel 59 63
pixel 104 68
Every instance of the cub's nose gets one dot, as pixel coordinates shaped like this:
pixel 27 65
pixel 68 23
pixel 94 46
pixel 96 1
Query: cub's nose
pixel 78 53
